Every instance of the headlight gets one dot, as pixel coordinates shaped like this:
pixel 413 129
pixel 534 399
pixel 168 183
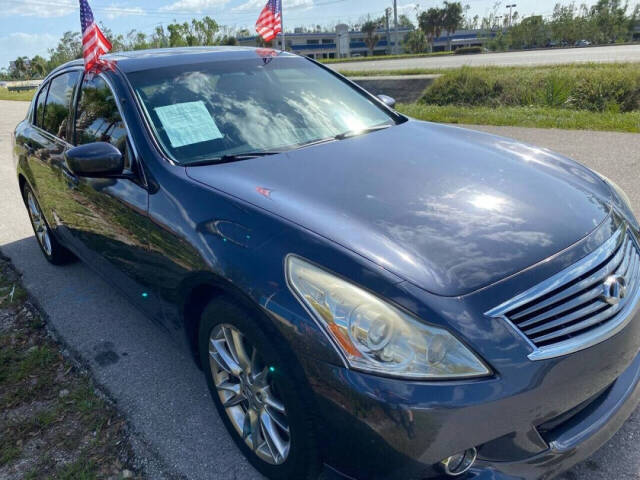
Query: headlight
pixel 375 336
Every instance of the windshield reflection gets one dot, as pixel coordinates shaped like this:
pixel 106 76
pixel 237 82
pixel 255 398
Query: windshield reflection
pixel 284 104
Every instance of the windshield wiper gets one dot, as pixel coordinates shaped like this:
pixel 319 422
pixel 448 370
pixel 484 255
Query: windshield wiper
pixel 249 155
pixel 355 133
pixel 314 142
pixel 230 158
pixel 340 136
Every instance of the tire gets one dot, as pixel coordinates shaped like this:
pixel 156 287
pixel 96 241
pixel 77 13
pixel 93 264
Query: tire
pixel 52 250
pixel 223 319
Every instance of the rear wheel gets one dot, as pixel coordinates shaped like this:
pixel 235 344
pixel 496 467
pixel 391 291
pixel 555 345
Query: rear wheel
pixel 254 394
pixel 51 248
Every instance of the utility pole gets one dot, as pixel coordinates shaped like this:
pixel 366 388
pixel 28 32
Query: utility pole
pixel 387 13
pixel 511 7
pixel 395 26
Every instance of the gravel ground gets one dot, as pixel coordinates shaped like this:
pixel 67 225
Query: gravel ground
pixel 155 382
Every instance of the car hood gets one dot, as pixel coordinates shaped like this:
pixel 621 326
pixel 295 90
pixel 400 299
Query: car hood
pixel 448 209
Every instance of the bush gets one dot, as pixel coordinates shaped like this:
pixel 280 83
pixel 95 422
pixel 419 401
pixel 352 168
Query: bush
pixel 616 91
pixel 554 92
pixel 461 87
pixel 468 50
pixel 598 88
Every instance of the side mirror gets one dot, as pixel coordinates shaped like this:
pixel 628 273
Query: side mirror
pixel 388 101
pixel 99 159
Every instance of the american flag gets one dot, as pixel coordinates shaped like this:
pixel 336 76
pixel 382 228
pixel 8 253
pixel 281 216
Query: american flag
pixel 269 23
pixel 94 43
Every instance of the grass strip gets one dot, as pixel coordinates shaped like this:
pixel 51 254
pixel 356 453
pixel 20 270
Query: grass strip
pixel 17 96
pixel 570 68
pixel 376 58
pixel 539 117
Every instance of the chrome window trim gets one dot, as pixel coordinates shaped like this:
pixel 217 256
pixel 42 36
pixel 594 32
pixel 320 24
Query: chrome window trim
pixel 617 322
pixel 34 101
pixel 120 110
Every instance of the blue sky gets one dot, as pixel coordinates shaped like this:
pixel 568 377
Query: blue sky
pixel 29 27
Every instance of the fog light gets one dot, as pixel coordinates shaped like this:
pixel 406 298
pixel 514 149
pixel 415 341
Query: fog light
pixel 459 463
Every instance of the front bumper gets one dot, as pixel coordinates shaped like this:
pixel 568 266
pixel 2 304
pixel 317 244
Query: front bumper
pixel 369 431
pixel 578 438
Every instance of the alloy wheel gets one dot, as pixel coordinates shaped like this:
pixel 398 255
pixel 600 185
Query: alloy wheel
pixel 245 387
pixel 39 225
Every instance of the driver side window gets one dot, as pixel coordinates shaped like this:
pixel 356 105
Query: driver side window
pixel 98 118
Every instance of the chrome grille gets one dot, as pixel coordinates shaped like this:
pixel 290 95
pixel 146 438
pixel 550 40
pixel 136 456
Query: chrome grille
pixel 582 305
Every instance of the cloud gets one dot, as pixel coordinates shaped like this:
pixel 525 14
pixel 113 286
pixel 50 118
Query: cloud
pixel 193 6
pixel 257 5
pixel 21 44
pixel 250 6
pixel 116 11
pixel 38 8
pixel 408 8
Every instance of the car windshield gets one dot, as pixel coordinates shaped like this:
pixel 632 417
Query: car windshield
pixel 223 109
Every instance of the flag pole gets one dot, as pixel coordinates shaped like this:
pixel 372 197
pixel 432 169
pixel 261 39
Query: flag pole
pixel 284 45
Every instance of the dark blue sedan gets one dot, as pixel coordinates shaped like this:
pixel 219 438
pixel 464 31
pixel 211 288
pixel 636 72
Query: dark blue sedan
pixel 386 298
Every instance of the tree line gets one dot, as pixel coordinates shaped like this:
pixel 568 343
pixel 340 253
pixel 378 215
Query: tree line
pixel 197 32
pixel 607 21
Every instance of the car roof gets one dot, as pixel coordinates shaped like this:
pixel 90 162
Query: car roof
pixel 139 60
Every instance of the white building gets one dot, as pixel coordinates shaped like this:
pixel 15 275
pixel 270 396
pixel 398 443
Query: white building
pixel 344 43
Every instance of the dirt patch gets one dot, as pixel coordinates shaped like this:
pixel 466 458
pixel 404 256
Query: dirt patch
pixel 54 423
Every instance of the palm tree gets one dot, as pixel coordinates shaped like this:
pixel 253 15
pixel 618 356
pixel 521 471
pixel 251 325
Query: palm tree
pixel 38 66
pixel 20 67
pixel 369 28
pixel 452 18
pixel 431 23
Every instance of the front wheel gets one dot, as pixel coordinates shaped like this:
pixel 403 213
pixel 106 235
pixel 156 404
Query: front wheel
pixel 253 391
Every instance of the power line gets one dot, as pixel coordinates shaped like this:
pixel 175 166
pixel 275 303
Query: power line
pixel 139 11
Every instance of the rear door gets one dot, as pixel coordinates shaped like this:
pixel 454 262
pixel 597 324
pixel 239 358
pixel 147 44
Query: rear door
pixel 48 141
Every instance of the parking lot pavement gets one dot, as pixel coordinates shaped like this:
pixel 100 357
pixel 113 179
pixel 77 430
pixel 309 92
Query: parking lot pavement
pixel 156 384
pixel 617 53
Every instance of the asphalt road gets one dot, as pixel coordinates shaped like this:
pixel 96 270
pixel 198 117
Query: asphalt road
pixel 620 53
pixel 155 383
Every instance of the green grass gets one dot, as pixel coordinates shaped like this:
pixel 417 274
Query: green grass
pixel 18 96
pixel 383 57
pixel 382 73
pixel 498 70
pixel 81 469
pixel 9 454
pixel 540 117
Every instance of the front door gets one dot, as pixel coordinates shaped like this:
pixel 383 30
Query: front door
pixel 109 220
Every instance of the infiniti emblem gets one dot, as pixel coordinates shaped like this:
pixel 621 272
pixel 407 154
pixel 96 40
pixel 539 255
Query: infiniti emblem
pixel 614 289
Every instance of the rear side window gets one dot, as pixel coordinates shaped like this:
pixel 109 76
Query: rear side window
pixel 98 118
pixel 57 108
pixel 39 107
